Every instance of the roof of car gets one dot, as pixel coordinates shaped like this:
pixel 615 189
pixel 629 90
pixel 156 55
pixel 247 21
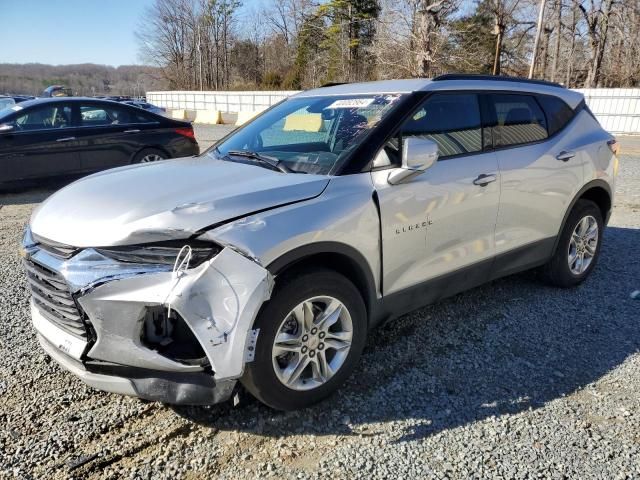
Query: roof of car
pixel 381 86
pixel 43 100
pixel 481 83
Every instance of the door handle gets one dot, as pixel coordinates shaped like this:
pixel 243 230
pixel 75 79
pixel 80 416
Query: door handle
pixel 565 155
pixel 483 180
pixel 66 139
pixel 132 131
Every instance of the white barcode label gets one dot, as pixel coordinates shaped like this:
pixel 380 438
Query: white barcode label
pixel 352 103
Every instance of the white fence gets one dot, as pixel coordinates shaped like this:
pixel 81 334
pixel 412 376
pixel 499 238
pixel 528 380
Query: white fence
pixel 617 109
pixel 227 101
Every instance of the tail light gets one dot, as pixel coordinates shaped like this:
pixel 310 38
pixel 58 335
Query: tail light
pixel 186 132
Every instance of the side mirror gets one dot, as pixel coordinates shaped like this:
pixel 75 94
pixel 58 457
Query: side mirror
pixel 418 154
pixel 4 128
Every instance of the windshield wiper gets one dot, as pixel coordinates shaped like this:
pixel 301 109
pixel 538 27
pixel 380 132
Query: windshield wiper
pixel 271 162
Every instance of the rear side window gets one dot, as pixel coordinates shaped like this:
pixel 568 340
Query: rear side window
pixel 450 120
pixel 558 113
pixel 99 115
pixel 519 120
pixel 142 117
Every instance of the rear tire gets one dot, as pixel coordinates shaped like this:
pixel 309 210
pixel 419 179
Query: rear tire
pixel 320 321
pixel 578 246
pixel 149 155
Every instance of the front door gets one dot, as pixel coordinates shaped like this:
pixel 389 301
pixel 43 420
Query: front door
pixel 42 143
pixel 444 219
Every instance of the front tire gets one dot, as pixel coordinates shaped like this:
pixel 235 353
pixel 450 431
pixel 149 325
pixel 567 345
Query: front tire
pixel 578 247
pixel 312 333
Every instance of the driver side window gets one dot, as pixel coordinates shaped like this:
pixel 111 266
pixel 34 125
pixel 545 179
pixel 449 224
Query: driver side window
pixel 44 117
pixel 451 120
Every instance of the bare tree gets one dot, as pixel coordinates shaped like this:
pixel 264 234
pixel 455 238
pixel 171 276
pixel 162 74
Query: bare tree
pixel 596 16
pixel 558 39
pixel 411 36
pixel 508 22
pixel 164 39
pixel 303 43
pixel 428 21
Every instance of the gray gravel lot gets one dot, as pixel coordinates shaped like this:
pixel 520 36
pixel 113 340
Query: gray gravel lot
pixel 207 134
pixel 513 379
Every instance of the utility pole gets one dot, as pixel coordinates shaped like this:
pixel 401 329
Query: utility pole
pixel 200 54
pixel 499 32
pixel 538 32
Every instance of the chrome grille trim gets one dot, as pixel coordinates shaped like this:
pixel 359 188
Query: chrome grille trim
pixel 59 250
pixel 51 295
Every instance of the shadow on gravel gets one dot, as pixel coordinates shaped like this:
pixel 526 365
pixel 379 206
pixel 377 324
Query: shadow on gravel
pixel 503 348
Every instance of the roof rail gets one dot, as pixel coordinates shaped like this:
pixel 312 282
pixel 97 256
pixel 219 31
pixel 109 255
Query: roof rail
pixel 499 78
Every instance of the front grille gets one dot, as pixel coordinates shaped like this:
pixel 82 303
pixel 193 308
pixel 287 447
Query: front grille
pixel 53 298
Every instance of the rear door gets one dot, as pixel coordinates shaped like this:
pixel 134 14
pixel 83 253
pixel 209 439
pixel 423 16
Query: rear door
pixel 113 134
pixel 41 144
pixel 444 219
pixel 541 171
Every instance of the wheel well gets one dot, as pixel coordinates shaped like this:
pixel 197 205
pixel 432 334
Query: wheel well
pixel 340 263
pixel 600 197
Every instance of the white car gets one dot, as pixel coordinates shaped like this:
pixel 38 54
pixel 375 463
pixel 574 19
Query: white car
pixel 270 258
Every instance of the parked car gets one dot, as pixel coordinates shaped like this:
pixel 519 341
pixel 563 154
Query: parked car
pixel 118 98
pixel 22 98
pixel 57 91
pixel 62 137
pixel 6 102
pixel 146 106
pixel 271 257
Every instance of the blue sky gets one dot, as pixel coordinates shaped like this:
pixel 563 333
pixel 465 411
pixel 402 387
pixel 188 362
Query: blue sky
pixel 71 31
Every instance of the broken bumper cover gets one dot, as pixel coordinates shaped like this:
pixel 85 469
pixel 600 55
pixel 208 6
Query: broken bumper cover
pixel 218 301
pixel 195 388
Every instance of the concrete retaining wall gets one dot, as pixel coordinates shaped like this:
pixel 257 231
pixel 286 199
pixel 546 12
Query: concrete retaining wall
pixel 617 109
pixel 221 101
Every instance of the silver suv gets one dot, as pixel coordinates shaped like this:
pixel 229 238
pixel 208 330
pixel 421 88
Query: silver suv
pixel 269 258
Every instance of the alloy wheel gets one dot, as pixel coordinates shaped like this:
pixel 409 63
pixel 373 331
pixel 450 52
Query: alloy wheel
pixel 583 245
pixel 312 343
pixel 151 157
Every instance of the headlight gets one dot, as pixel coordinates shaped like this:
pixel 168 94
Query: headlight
pixel 162 253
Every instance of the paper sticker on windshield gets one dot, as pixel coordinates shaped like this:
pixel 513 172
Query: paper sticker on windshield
pixel 352 103
pixel 16 108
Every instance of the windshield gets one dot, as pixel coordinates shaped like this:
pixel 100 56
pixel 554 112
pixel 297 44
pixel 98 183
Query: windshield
pixel 310 134
pixel 6 103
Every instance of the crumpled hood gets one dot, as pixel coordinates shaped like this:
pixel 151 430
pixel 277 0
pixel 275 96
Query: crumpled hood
pixel 164 200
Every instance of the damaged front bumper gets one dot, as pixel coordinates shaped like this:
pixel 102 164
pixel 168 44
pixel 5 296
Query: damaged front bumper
pixel 178 388
pixel 146 330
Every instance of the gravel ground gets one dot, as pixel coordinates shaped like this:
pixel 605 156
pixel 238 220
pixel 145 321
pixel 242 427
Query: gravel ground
pixel 207 134
pixel 513 379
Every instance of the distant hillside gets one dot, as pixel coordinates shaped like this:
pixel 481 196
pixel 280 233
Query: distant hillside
pixel 83 79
